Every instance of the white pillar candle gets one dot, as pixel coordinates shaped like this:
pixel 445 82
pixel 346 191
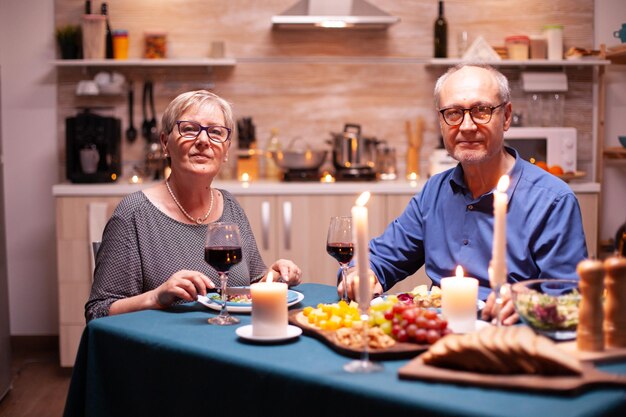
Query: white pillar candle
pixel 458 302
pixel 498 256
pixel 361 247
pixel 269 308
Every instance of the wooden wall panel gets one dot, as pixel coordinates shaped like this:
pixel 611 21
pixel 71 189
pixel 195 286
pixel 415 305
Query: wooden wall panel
pixel 309 83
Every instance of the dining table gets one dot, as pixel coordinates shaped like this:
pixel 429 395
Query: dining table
pixel 173 363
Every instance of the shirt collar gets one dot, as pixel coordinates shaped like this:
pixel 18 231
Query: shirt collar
pixel 457 179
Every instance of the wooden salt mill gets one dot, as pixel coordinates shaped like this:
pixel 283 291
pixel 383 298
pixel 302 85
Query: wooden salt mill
pixel 589 335
pixel 615 305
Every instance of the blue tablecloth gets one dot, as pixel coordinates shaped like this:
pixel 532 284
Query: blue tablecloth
pixel 172 363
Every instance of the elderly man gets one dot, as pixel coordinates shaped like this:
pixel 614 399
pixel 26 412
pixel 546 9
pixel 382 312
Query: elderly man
pixel 450 222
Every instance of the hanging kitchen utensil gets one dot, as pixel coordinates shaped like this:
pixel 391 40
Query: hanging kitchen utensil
pixel 154 133
pixel 131 132
pixel 145 124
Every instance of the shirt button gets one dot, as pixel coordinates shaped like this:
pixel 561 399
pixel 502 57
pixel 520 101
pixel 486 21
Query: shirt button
pixel 465 241
pixel 470 207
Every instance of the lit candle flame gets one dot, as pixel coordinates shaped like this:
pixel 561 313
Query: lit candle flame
pixel 503 183
pixel 245 177
pixel 270 277
pixel 412 176
pixel 459 271
pixel 328 178
pixel 363 199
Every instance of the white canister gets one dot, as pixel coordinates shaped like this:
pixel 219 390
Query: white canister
pixel 554 37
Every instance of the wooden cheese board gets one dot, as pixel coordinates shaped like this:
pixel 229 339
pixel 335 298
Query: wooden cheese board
pixel 607 355
pixel 397 351
pixel 416 369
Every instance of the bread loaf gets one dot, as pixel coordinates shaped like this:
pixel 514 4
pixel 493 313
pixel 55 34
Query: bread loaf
pixel 502 350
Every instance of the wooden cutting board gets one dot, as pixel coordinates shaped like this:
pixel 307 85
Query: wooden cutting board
pixel 397 351
pixel 606 355
pixel 416 369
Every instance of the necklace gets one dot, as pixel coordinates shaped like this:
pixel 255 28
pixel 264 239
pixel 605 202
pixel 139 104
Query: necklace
pixel 199 220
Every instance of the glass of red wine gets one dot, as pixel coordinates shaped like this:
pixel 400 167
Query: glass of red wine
pixel 222 250
pixel 340 246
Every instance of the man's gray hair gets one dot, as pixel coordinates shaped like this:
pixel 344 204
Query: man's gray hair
pixel 503 84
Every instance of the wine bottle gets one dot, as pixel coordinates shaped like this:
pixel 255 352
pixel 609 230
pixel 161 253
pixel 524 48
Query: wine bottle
pixel 441 34
pixel 109 34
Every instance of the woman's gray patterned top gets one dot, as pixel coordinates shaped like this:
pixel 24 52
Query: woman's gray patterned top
pixel 142 247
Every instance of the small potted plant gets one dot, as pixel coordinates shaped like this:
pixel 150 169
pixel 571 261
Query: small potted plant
pixel 69 38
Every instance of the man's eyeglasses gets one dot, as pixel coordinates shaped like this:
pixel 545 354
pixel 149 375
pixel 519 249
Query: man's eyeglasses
pixel 454 116
pixel 191 130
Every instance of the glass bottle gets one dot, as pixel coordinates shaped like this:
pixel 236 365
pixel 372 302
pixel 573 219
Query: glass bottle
pixel 109 34
pixel 441 34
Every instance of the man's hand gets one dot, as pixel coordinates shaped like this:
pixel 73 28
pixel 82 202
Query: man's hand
pixel 508 315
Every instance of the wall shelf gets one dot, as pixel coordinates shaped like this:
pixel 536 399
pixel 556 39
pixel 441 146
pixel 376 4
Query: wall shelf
pixel 615 152
pixel 107 63
pixel 541 63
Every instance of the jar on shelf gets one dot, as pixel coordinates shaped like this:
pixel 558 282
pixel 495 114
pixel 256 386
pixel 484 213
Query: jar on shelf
pixel 517 47
pixel 155 45
pixel 554 37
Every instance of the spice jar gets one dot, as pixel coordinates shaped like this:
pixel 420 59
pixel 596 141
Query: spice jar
pixel 615 305
pixel 155 45
pixel 517 47
pixel 589 334
pixel 120 44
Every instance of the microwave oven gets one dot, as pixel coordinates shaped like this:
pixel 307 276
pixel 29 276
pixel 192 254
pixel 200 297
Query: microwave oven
pixel 554 145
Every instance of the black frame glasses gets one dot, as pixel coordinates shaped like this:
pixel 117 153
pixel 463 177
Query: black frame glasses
pixel 212 135
pixel 480 115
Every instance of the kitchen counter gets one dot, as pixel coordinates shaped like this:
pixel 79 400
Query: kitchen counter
pixel 400 187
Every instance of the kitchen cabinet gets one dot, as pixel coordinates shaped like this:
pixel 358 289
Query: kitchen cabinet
pixel 295 227
pixel 74 268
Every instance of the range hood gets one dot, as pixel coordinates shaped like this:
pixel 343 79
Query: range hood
pixel 355 14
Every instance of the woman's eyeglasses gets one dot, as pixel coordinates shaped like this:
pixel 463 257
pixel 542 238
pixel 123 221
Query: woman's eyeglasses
pixel 191 130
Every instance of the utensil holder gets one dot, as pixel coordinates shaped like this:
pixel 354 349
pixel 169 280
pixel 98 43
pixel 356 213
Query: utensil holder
pixel 94 36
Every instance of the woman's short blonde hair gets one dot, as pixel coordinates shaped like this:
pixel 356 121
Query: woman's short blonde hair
pixel 199 98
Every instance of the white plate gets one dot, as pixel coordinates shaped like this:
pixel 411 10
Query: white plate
pixel 245 307
pixel 245 332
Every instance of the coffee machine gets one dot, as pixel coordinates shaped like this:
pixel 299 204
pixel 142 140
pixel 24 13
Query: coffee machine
pixel 92 145
pixel 354 156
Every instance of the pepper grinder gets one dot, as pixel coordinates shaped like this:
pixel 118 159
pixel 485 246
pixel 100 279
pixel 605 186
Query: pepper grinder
pixel 589 336
pixel 615 306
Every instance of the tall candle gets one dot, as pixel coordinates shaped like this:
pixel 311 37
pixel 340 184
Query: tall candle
pixel 458 301
pixel 269 308
pixel 498 258
pixel 361 241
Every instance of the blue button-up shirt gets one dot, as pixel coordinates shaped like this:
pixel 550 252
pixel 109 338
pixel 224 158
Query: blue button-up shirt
pixel 444 226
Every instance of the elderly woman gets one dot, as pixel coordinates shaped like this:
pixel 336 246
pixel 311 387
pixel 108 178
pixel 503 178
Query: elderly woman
pixel 151 255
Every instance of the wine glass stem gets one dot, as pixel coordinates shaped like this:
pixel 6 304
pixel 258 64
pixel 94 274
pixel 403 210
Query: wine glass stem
pixel 365 355
pixel 223 281
pixel 344 274
pixel 498 290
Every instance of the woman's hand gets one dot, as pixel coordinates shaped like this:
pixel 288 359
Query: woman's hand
pixel 353 284
pixel 183 284
pixel 285 270
pixel 508 315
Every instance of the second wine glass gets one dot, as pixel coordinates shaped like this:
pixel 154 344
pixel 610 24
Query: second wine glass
pixel 340 246
pixel 222 250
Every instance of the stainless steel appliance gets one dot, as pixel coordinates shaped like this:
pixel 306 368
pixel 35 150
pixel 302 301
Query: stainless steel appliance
pixel 5 346
pixel 354 156
pixel 92 144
